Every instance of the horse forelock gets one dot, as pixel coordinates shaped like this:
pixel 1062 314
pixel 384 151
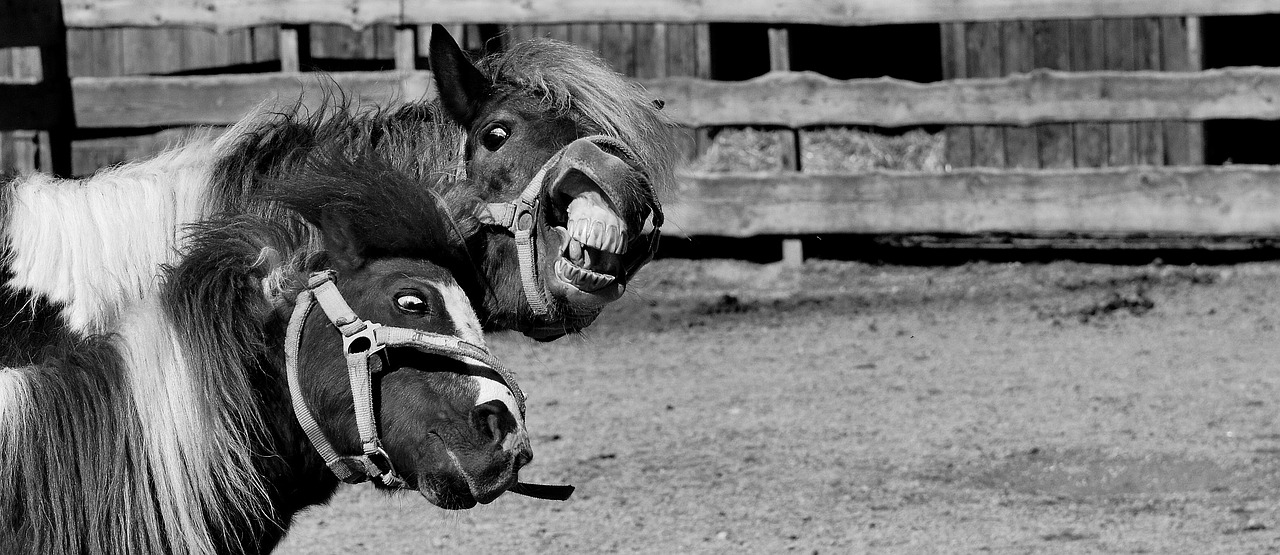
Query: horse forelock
pixel 572 80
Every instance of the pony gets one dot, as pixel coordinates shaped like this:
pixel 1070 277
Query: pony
pixel 199 425
pixel 548 161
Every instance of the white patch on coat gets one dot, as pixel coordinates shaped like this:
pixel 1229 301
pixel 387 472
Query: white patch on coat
pixel 465 322
pixel 15 395
pixel 95 245
pixel 175 434
pixel 466 325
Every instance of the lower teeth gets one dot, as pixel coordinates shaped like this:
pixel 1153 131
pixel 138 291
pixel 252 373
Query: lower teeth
pixel 581 278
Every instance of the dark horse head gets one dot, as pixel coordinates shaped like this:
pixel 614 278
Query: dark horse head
pixel 450 419
pixel 547 159
pixel 182 431
pixel 549 124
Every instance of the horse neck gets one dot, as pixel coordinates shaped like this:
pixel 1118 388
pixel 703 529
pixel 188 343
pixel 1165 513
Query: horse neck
pixel 95 245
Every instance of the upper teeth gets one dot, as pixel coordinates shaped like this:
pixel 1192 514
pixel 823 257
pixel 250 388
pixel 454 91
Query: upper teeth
pixel 596 226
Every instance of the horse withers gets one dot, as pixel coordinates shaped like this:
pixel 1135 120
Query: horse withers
pixel 547 159
pixel 276 360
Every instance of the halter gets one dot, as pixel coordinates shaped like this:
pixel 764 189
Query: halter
pixel 519 216
pixel 362 339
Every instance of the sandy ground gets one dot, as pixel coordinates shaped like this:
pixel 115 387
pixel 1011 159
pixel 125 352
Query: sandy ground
pixel 725 407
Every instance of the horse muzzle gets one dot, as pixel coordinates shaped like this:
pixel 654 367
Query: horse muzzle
pixel 597 200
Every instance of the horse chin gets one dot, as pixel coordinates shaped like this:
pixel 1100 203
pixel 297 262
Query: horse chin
pixel 459 480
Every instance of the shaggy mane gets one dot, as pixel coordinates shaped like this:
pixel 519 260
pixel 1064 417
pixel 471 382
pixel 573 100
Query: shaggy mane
pixel 575 82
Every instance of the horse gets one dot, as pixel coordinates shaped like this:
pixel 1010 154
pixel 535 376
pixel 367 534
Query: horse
pixel 204 426
pixel 547 159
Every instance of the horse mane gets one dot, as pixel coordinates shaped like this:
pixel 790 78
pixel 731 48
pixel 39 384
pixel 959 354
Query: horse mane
pixel 574 81
pixel 418 139
pixel 415 139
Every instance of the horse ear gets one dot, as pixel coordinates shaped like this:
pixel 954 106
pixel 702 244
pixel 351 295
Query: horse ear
pixel 461 86
pixel 346 250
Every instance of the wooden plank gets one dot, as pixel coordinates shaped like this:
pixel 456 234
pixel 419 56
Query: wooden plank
pixel 1087 55
pixel 337 42
pixel 19 151
pixel 290 48
pixel 94 52
pixel 702 49
pixel 266 43
pixel 151 51
pixel 801 99
pixel 1119 55
pixel 384 42
pixel 618 46
pixel 1053 51
pixel 239 46
pixel 94 154
pixel 1237 200
pixel 780 60
pixel 586 35
pixel 1174 48
pixel 651 50
pixel 1042 96
pixel 223 99
pixel 955 66
pixel 360 13
pixel 203 49
pixel 406 48
pixel 769 100
pixel 1148 135
pixel 1021 144
pixel 682 60
pixel 983 44
pixel 1195 130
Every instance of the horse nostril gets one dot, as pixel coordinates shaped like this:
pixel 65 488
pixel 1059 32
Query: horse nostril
pixel 493 421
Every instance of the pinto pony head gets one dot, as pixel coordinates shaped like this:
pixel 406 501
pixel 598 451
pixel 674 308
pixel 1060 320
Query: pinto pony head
pixel 451 427
pixel 562 148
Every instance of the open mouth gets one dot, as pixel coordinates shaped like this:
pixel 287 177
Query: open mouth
pixel 592 244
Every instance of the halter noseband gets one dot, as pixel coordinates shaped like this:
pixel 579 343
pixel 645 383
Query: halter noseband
pixel 519 215
pixel 362 339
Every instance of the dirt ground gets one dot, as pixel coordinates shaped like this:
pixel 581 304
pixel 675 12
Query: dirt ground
pixel 724 407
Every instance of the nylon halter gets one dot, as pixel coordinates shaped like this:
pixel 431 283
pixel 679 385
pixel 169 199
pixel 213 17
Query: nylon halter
pixel 362 339
pixel 520 215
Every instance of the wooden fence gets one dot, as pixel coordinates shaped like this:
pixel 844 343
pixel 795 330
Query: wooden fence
pixel 1169 193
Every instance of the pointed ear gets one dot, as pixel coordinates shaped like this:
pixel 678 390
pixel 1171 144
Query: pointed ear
pixel 346 249
pixel 461 86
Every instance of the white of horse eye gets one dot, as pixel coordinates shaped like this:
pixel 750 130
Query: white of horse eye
pixel 494 137
pixel 412 304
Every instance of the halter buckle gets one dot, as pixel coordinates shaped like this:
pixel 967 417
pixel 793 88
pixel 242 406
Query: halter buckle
pixel 362 340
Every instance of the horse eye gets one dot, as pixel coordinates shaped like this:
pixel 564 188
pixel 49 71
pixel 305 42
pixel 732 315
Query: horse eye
pixel 411 304
pixel 494 138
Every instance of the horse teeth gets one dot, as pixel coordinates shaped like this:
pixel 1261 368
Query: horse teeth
pixel 575 250
pixel 583 279
pixel 596 226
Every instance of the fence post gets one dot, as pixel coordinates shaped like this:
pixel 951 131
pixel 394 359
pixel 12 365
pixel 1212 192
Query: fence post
pixel 780 60
pixel 290 49
pixel 406 48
